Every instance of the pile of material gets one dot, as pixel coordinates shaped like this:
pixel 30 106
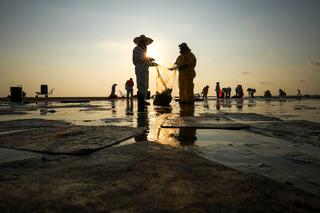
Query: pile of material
pixel 165 79
pixel 163 99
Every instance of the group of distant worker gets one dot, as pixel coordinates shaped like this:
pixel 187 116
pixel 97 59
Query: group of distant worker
pixel 226 92
pixel 185 64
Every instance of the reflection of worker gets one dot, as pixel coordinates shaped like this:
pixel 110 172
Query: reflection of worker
pixel 142 63
pixel 239 104
pixel 187 136
pixel 142 121
pixel 186 63
pixel 129 87
pixel 205 92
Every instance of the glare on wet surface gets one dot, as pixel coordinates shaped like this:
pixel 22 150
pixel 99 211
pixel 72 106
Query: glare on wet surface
pixel 296 164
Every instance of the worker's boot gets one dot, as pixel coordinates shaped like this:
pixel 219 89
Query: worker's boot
pixel 141 99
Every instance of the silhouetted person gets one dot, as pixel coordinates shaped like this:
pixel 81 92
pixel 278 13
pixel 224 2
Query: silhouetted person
pixel 142 63
pixel 113 91
pixel 267 94
pixel 129 87
pixel 239 91
pixel 217 89
pixel 221 93
pixel 205 92
pixel 299 93
pixel 251 92
pixel 282 93
pixel 185 63
pixel 228 92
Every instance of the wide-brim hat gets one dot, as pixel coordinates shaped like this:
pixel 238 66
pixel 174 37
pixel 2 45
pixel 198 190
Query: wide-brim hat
pixel 137 40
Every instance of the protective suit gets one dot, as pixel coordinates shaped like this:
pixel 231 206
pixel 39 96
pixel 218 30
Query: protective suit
pixel 186 63
pixel 141 62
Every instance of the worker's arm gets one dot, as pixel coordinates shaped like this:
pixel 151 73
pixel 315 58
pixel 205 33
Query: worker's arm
pixel 180 64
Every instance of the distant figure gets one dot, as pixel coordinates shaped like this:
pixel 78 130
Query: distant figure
pixel 205 92
pixel 299 93
pixel 228 92
pixel 113 91
pixel 129 87
pixel 239 91
pixel 221 93
pixel 251 92
pixel 217 89
pixel 186 63
pixel 267 94
pixel 282 93
pixel 142 63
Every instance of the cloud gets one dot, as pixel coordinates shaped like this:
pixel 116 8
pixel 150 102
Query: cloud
pixel 315 63
pixel 265 82
pixel 302 81
pixel 245 73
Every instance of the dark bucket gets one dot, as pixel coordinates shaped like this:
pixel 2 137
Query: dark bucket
pixel 16 94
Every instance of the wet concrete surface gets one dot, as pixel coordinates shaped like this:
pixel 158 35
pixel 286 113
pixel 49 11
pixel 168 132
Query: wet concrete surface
pixel 293 166
pixel 142 177
pixel 61 138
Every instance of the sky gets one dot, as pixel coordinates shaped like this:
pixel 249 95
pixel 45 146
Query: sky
pixel 82 47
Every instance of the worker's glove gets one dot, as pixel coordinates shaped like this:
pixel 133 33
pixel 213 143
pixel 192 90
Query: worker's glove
pixel 153 64
pixel 172 68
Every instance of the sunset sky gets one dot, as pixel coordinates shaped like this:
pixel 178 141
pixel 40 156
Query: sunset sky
pixel 81 47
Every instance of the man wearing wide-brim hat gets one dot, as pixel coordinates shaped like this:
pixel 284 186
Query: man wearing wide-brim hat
pixel 142 63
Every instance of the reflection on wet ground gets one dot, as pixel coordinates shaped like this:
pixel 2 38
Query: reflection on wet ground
pixel 296 164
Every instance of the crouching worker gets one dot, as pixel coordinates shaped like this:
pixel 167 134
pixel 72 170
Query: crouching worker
pixel 205 92
pixel 142 63
pixel 186 63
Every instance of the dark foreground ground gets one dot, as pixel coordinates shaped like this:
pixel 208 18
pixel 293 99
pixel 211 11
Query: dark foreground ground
pixel 142 177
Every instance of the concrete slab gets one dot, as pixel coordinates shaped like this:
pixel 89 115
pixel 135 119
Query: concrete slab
pixel 67 139
pixel 241 116
pixel 142 177
pixel 203 122
pixel 28 124
pixel 298 131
